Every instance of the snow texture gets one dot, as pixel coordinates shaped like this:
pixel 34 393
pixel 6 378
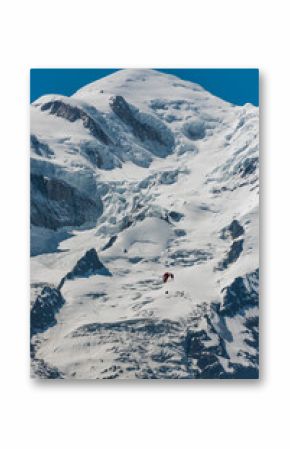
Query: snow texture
pixel 136 174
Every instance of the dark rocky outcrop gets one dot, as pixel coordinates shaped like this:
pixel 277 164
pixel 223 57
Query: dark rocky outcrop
pixel 40 148
pixel 234 230
pixel 198 346
pixel 247 166
pixel 180 232
pixel 44 309
pixel 135 260
pixel 242 292
pixel 233 254
pixel 73 113
pixel 86 266
pixel 205 343
pixel 110 243
pixel 55 204
pixel 175 216
pixel 42 370
pixel 142 125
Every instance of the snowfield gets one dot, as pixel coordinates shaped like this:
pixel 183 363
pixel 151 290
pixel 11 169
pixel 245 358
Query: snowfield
pixel 137 174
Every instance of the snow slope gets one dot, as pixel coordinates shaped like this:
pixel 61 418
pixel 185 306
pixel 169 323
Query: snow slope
pixel 155 174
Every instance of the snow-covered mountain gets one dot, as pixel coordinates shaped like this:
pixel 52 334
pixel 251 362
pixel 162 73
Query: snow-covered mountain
pixel 137 174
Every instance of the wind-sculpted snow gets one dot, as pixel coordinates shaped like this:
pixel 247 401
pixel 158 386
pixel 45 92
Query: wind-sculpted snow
pixel 188 257
pixel 137 174
pixel 205 344
pixel 241 166
pixel 194 130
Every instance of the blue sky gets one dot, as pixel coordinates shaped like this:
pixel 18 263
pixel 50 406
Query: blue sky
pixel 238 86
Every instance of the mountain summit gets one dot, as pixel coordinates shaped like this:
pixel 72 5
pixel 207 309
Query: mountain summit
pixel 137 174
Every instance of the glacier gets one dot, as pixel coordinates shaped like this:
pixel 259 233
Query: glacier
pixel 136 174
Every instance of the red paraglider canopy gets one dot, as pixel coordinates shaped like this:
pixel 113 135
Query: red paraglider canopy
pixel 167 276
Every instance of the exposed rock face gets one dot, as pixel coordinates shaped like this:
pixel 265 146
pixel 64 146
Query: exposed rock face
pixel 143 125
pixel 175 216
pixel 242 292
pixel 88 265
pixel 198 346
pixel 73 113
pixel 201 347
pixel 41 370
pixel 110 242
pixel 212 341
pixel 55 204
pixel 234 230
pixel 131 325
pixel 206 350
pixel 40 148
pixel 247 166
pixel 45 306
pixel 44 309
pixel 233 254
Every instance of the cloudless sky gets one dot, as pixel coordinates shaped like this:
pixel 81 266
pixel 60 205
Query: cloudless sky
pixel 238 86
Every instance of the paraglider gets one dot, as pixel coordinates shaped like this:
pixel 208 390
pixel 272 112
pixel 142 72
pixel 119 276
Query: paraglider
pixel 167 276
